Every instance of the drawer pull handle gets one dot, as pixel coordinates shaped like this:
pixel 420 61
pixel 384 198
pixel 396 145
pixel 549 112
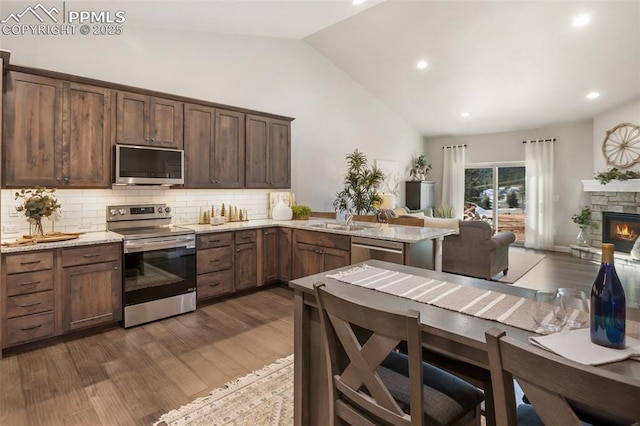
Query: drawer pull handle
pixel 30 283
pixel 91 255
pixel 214 284
pixel 28 305
pixel 31 328
pixel 214 260
pixel 32 262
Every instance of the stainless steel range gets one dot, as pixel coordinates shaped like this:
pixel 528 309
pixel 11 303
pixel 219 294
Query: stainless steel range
pixel 159 271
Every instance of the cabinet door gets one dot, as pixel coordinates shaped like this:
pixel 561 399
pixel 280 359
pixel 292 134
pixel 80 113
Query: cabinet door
pixel 306 260
pixel 228 150
pixel 132 119
pixel 199 132
pixel 86 141
pixel 284 254
pixel 246 266
pixel 279 154
pixel 165 123
pixel 256 146
pixel 33 131
pixel 334 258
pixel 92 295
pixel 269 255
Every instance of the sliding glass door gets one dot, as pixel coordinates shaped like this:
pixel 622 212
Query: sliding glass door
pixel 496 193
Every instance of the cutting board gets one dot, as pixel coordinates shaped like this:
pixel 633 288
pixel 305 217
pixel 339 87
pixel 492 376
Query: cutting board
pixel 49 237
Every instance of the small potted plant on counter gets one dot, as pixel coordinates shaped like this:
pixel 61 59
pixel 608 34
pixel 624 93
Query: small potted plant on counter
pixel 301 212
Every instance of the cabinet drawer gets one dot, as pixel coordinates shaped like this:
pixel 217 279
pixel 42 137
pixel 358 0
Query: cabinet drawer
pixel 246 236
pixel 91 254
pixel 214 240
pixel 29 262
pixel 29 282
pixel 18 306
pixel 32 327
pixel 215 284
pixel 324 239
pixel 215 259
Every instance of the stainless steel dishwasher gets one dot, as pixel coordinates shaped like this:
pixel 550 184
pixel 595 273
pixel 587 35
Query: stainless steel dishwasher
pixel 368 248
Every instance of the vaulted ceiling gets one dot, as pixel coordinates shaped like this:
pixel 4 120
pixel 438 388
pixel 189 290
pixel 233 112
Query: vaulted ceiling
pixel 509 64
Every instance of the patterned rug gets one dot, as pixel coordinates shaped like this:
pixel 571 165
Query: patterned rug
pixel 261 398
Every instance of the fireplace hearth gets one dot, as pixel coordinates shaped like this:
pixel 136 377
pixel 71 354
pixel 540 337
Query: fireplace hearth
pixel 621 229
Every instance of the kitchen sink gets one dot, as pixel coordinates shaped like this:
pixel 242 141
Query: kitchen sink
pixel 338 226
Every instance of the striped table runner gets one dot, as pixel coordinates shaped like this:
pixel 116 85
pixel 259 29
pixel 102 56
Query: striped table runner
pixel 477 302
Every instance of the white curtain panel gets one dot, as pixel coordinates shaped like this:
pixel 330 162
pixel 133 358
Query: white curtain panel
pixel 453 179
pixel 539 227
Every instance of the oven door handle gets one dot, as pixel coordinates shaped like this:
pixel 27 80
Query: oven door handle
pixel 136 246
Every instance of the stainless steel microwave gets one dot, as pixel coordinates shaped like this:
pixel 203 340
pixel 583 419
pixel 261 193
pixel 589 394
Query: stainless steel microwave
pixel 145 165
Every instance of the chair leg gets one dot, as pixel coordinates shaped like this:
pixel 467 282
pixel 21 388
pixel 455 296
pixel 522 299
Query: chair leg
pixel 505 271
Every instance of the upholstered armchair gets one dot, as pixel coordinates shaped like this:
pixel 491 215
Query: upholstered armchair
pixel 475 251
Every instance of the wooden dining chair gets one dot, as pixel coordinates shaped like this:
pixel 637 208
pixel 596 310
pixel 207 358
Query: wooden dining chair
pixel 370 383
pixel 561 392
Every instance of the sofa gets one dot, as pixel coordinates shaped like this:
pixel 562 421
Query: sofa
pixel 475 252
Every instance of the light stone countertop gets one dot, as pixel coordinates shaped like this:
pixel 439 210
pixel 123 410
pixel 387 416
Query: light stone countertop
pixel 89 238
pixel 380 231
pixel 398 233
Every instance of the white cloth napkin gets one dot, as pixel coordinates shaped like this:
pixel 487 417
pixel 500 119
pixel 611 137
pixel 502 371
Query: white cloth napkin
pixel 576 345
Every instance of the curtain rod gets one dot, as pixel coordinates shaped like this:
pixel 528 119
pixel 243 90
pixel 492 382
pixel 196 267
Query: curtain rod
pixel 540 140
pixel 454 146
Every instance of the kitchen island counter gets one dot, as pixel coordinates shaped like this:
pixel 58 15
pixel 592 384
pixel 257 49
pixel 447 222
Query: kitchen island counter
pixel 380 231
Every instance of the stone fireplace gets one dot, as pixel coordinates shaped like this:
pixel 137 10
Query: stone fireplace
pixel 613 206
pixel 621 229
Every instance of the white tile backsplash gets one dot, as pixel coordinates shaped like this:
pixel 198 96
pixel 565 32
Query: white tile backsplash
pixel 84 210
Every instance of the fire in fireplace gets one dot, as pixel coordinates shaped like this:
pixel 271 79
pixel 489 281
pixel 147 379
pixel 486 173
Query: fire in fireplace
pixel 621 229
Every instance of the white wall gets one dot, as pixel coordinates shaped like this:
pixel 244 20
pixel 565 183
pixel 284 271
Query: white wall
pixel 334 115
pixel 573 162
pixel 629 113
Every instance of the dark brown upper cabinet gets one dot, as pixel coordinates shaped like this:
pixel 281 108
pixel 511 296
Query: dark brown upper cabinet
pixel 214 147
pixel 268 152
pixel 56 133
pixel 149 120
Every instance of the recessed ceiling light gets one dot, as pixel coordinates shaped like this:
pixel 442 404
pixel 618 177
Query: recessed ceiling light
pixel 357 2
pixel 593 95
pixel 464 114
pixel 581 21
pixel 422 64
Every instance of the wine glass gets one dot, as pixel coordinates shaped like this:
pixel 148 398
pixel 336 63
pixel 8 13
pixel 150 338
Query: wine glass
pixel 577 305
pixel 548 311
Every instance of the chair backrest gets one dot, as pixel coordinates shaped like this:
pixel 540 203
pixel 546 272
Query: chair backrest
pixel 549 381
pixel 354 353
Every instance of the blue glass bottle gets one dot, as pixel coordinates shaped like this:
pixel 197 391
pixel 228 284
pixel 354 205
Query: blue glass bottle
pixel 608 304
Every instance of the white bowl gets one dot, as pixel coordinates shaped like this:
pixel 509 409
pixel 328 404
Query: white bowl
pixel 218 220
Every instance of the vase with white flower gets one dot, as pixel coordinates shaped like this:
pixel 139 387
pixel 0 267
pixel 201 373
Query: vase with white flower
pixel 37 203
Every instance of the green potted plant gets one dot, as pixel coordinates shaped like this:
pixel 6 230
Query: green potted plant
pixel 360 192
pixel 301 212
pixel 420 168
pixel 583 220
pixel 38 203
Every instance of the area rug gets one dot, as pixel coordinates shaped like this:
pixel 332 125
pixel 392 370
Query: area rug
pixel 261 398
pixel 520 262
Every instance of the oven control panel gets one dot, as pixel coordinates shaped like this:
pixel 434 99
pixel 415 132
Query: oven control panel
pixel 137 212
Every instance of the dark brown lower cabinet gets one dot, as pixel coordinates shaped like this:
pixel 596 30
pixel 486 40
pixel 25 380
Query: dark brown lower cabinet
pixel 92 295
pixel 246 259
pixel 314 252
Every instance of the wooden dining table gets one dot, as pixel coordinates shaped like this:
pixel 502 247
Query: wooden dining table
pixel 451 340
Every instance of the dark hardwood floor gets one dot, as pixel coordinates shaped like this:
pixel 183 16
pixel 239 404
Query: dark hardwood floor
pixel 132 377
